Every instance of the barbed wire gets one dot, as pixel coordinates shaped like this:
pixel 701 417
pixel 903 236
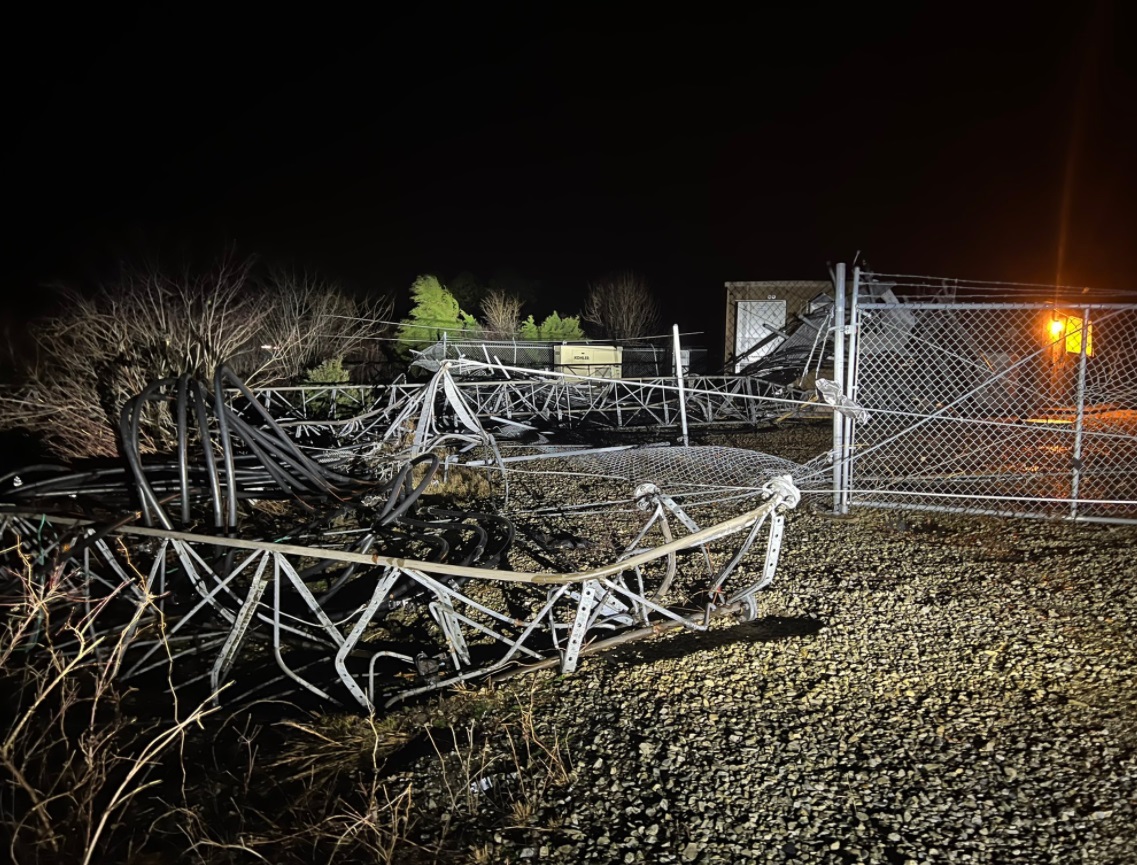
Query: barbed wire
pixel 936 282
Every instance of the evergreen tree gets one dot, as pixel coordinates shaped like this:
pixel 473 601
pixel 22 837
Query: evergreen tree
pixel 554 328
pixel 435 312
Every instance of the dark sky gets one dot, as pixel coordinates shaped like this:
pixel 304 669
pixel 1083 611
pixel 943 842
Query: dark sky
pixel 959 140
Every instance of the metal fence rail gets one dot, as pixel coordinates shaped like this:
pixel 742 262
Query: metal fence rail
pixel 1006 408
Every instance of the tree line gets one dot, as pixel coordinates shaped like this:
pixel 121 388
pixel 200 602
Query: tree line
pixel 101 347
pixel 619 307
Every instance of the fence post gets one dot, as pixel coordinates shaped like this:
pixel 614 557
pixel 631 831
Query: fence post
pixel 679 378
pixel 839 377
pixel 850 388
pixel 1080 397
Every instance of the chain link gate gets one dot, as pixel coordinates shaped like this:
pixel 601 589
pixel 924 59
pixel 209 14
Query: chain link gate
pixel 1025 409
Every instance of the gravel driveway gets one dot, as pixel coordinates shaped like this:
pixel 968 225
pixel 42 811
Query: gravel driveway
pixel 917 688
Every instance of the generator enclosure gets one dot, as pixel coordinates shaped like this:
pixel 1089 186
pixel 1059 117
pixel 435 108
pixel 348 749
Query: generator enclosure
pixel 596 361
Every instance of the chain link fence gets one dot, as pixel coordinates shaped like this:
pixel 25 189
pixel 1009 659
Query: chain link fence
pixel 1004 408
pixel 639 360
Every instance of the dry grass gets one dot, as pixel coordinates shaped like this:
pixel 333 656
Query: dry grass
pixel 333 745
pixel 91 771
pixel 348 796
pixel 75 760
pixel 457 484
pixel 498 763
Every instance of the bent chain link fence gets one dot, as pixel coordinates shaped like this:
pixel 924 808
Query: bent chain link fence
pixel 1005 408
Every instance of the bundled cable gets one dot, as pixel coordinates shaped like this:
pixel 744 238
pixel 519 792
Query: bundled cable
pixel 227 451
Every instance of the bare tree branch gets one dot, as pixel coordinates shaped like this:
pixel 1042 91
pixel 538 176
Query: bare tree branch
pixel 622 306
pixel 107 346
pixel 501 314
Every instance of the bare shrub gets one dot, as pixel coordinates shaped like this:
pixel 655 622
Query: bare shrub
pixel 105 347
pixel 622 306
pixel 501 314
pixel 308 321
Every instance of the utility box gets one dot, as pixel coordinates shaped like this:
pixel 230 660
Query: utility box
pixel 596 361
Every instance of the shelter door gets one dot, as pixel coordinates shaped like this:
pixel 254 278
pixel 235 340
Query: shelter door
pixel 756 321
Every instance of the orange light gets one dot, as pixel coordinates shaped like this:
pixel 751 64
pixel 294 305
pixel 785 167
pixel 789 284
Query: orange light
pixel 1057 328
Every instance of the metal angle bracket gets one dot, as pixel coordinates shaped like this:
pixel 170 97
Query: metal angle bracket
pixel 588 594
pixel 785 495
pixel 773 547
pixel 382 589
pixel 749 596
pixel 240 626
pixel 447 618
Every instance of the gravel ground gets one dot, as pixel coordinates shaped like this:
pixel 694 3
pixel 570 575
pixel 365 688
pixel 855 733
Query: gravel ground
pixel 917 688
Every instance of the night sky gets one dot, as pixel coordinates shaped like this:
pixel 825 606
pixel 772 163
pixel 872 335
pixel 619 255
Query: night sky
pixel 975 141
